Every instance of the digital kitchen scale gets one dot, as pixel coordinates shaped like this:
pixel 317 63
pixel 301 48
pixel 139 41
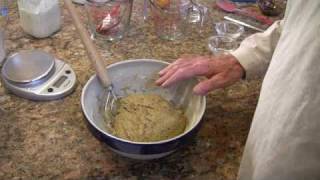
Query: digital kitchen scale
pixel 37 75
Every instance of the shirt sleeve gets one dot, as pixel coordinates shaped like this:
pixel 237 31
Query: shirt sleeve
pixel 255 52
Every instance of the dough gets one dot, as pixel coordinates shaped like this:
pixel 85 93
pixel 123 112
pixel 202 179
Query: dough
pixel 147 117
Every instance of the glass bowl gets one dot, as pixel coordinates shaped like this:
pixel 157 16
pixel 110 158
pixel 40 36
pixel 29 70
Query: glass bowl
pixel 221 44
pixel 226 28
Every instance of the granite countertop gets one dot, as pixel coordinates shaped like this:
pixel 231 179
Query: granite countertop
pixel 50 140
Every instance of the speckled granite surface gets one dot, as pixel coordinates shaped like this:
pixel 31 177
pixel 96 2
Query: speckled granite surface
pixel 50 140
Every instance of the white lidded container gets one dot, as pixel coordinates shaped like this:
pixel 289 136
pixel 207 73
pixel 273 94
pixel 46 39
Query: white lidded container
pixel 39 18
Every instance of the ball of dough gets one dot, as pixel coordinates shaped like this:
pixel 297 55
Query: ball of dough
pixel 147 117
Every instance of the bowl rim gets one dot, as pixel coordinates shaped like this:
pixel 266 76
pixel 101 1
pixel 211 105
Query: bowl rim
pixel 125 140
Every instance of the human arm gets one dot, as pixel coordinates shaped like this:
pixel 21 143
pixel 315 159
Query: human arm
pixel 252 57
pixel 220 72
pixel 255 52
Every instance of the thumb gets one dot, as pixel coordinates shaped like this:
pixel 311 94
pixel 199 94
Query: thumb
pixel 204 87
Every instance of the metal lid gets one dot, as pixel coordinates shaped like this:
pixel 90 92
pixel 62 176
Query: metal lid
pixel 28 66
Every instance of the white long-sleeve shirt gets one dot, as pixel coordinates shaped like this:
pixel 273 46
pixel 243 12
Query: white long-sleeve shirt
pixel 284 139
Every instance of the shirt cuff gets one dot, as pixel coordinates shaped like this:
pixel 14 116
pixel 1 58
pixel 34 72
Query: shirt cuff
pixel 248 61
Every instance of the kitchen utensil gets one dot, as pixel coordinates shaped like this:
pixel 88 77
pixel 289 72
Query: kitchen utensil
pixel 138 76
pixel 243 23
pixel 37 75
pixel 221 44
pixel 229 6
pixel 230 29
pixel 96 59
pixel 108 20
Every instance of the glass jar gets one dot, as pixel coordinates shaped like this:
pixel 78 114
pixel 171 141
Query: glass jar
pixel 109 20
pixel 39 18
pixel 173 18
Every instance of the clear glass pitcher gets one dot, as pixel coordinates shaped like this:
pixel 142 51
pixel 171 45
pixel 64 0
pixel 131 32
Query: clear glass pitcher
pixel 172 17
pixel 109 19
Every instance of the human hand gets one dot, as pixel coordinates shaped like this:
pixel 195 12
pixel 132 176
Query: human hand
pixel 220 71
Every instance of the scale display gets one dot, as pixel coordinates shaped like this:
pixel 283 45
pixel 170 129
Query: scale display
pixel 60 81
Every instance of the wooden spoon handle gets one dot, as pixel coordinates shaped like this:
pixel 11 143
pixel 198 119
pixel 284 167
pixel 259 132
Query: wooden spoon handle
pixel 93 54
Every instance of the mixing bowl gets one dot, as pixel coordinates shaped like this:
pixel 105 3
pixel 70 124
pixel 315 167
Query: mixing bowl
pixel 138 76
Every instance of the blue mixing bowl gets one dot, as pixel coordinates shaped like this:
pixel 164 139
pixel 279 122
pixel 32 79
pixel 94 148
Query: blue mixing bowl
pixel 138 76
